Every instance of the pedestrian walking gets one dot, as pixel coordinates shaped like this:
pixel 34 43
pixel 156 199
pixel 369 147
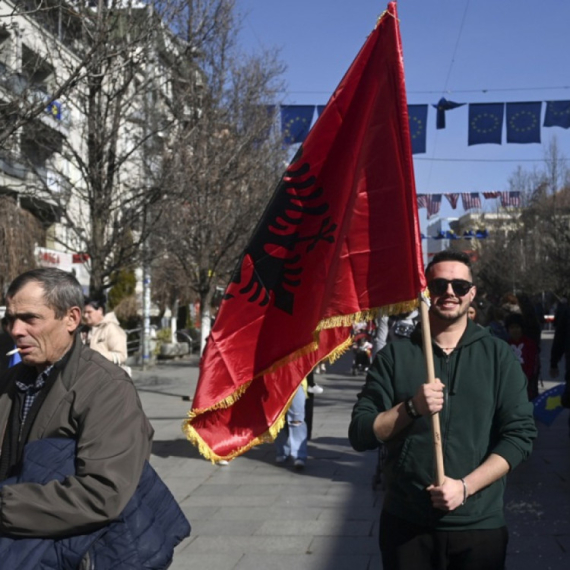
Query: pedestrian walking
pixel 487 430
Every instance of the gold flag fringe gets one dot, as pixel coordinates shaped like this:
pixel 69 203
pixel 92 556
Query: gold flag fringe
pixel 379 19
pixel 225 403
pixel 367 315
pixel 267 437
pixel 271 433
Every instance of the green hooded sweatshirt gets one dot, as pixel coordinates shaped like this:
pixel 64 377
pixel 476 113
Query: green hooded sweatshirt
pixel 486 410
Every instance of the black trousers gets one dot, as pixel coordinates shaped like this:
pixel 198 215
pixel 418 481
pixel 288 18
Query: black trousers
pixel 405 546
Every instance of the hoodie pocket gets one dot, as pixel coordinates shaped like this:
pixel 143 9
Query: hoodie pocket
pixel 413 461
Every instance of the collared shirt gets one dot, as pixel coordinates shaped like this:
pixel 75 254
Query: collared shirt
pixel 31 391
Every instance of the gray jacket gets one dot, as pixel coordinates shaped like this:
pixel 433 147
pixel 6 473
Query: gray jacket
pixel 95 403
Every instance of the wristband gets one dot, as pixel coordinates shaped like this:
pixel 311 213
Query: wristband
pixel 411 410
pixel 464 491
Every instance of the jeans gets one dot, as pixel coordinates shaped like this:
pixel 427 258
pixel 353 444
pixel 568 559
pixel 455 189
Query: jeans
pixel 292 439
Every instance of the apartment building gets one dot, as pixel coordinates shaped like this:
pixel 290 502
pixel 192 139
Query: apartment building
pixel 82 155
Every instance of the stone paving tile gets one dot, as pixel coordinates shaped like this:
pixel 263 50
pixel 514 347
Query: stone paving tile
pixel 346 545
pixel 321 501
pixel 267 513
pixel 204 513
pixel 537 561
pixel 350 513
pixel 228 501
pixel 223 528
pixel 329 527
pixel 276 477
pixel 223 489
pixel 182 487
pixel 533 544
pixel 256 544
pixel 207 561
pixel 304 562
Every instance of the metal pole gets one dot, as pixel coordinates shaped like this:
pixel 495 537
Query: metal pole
pixel 145 352
pixel 146 313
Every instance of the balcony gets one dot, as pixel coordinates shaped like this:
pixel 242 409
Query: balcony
pixel 12 165
pixel 18 87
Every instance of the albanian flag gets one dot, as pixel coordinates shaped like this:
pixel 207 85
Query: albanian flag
pixel 338 243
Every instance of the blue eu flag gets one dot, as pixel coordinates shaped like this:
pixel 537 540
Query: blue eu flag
pixel 296 122
pixel 418 122
pixel 523 122
pixel 557 114
pixel 442 106
pixel 485 123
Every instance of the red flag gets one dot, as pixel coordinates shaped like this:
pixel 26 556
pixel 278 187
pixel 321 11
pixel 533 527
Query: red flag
pixel 338 242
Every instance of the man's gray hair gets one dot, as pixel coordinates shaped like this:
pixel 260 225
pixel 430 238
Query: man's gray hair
pixel 62 291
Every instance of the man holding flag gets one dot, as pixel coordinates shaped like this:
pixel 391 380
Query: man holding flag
pixel 480 394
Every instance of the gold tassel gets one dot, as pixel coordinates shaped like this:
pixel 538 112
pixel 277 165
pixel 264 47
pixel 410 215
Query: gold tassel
pixel 337 352
pixel 367 315
pixel 225 403
pixel 266 437
pixel 332 322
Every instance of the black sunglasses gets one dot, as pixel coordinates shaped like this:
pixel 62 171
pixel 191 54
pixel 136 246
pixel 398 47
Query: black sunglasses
pixel 439 286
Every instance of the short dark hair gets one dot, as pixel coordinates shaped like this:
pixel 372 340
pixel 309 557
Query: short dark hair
pixel 95 303
pixel 62 291
pixel 449 255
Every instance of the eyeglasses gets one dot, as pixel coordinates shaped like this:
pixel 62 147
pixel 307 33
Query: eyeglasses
pixel 460 287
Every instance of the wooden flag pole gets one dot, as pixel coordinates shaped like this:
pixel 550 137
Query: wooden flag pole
pixel 428 352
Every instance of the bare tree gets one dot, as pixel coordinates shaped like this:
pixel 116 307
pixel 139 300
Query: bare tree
pixel 530 253
pixel 104 72
pixel 225 158
pixel 137 120
pixel 18 231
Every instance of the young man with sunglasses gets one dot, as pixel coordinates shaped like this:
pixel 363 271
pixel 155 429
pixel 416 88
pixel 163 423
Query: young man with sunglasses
pixel 487 429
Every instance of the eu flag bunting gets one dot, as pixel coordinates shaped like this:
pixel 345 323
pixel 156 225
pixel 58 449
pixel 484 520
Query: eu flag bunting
pixel 296 122
pixel 523 122
pixel 557 114
pixel 320 109
pixel 418 122
pixel 338 242
pixel 485 123
pixel 442 106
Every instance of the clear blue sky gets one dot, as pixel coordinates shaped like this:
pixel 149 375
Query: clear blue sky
pixel 471 51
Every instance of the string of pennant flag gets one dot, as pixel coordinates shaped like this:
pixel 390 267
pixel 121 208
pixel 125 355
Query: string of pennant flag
pixel 450 234
pixel 523 121
pixel 469 200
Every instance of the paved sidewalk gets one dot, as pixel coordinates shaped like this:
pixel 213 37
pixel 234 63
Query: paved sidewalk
pixel 255 514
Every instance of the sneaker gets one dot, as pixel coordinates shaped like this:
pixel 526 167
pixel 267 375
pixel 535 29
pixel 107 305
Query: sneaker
pixel 299 464
pixel 316 389
pixel 222 462
pixel 281 459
